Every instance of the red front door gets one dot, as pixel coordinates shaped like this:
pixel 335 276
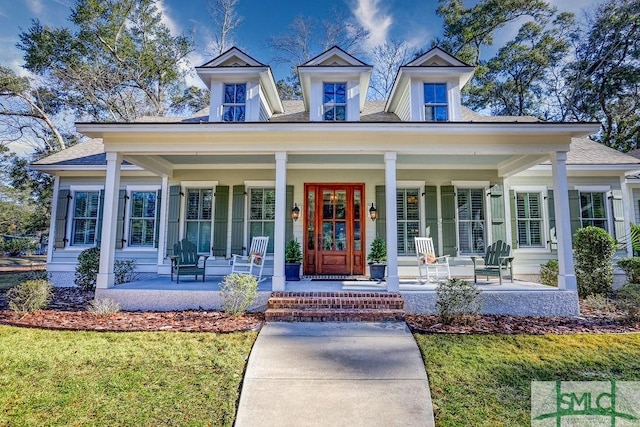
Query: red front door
pixel 333 219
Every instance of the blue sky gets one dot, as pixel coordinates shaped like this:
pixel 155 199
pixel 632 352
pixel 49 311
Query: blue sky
pixel 411 20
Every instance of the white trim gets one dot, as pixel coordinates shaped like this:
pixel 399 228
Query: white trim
pixel 196 185
pixel 52 220
pixel 259 183
pixel 474 185
pixel 93 187
pixel 73 189
pixel 127 216
pixel 543 191
pixel 592 188
pixel 529 188
pixel 164 207
pixel 471 184
pixel 251 185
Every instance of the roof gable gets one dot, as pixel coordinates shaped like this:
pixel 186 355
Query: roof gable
pixel 436 57
pixel 334 57
pixel 233 57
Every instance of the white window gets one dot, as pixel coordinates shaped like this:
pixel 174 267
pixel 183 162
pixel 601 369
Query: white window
pixel 472 229
pixel 435 102
pixel 335 102
pixel 198 217
pixel 408 207
pixel 593 210
pixel 86 205
pixel 142 219
pixel 529 219
pixel 262 214
pixel 233 107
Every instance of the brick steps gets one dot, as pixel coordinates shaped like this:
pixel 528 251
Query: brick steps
pixel 334 307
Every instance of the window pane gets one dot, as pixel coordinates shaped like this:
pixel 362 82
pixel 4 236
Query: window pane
pixel 341 93
pixel 229 94
pixel 440 114
pixel 341 113
pixel 440 93
pixel 329 113
pixel 429 93
pixel 204 237
pixel 429 113
pixel 329 93
pixel 240 94
pixel 239 114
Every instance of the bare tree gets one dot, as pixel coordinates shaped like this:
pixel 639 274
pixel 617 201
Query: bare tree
pixel 225 20
pixel 387 58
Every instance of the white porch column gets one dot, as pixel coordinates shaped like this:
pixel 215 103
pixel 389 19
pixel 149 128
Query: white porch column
pixel 566 277
pixel 162 235
pixel 393 283
pixel 109 221
pixel 628 212
pixel 278 280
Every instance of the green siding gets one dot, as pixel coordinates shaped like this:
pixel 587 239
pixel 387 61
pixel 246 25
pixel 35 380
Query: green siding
pixel 173 217
pixel 448 198
pixel 617 208
pixel 122 212
pixel 237 219
pixel 574 211
pixel 381 205
pixel 431 212
pixel 220 222
pixel 62 210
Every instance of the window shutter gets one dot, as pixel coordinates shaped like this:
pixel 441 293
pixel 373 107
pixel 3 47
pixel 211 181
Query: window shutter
pixel 431 212
pixel 100 218
pixel 574 211
pixel 617 209
pixel 553 241
pixel 173 217
pixel 122 212
pixel 448 197
pixel 381 205
pixel 496 202
pixel 288 221
pixel 220 221
pixel 62 210
pixel 514 219
pixel 237 219
pixel 156 239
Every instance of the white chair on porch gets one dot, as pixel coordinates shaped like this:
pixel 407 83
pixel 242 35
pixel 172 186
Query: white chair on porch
pixel 430 266
pixel 254 262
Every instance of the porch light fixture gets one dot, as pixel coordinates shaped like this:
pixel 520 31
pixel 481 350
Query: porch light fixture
pixel 373 212
pixel 295 212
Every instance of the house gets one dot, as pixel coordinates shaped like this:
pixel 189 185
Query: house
pixel 424 163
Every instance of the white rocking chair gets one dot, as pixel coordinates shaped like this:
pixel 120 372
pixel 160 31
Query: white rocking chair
pixel 430 266
pixel 254 262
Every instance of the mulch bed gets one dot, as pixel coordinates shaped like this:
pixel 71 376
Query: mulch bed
pixel 68 311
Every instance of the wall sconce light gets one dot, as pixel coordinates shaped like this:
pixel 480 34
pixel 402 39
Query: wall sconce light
pixel 373 212
pixel 295 212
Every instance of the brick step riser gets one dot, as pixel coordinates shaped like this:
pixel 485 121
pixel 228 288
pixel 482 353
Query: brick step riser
pixel 336 306
pixel 377 295
pixel 333 317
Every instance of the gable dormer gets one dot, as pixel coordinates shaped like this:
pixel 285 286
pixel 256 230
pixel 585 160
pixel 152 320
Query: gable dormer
pixel 428 88
pixel 334 86
pixel 242 89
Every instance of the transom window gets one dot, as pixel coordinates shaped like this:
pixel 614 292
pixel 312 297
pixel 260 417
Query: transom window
pixel 262 214
pixel 85 217
pixel 199 212
pixel 435 102
pixel 593 209
pixel 233 107
pixel 142 222
pixel 472 230
pixel 408 206
pixel 335 102
pixel 529 220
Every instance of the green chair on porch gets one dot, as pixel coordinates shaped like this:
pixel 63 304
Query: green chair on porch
pixel 496 260
pixel 185 260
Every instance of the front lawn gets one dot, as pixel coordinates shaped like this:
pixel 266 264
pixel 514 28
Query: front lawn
pixel 485 380
pixel 142 378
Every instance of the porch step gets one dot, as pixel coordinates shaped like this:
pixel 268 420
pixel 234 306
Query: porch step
pixel 334 307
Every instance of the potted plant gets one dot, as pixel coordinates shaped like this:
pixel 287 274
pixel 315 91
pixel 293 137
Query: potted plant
pixel 377 259
pixel 292 259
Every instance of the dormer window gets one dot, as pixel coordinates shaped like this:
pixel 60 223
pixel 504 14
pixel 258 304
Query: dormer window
pixel 335 102
pixel 233 107
pixel 435 102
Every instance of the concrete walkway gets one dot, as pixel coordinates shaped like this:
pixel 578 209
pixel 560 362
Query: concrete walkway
pixel 335 374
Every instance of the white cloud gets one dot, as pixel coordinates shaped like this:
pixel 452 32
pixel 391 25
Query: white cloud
pixel 171 24
pixel 372 18
pixel 35 6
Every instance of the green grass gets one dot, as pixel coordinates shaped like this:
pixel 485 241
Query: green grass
pixel 9 280
pixel 128 379
pixel 485 380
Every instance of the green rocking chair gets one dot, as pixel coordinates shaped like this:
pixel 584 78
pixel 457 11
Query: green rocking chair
pixel 186 261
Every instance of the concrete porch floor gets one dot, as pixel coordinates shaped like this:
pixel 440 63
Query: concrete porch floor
pixel 517 298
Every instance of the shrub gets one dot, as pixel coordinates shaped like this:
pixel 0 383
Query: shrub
pixel 87 269
pixel 628 300
pixel 124 271
pixel 378 252
pixel 549 273
pixel 239 291
pixel 29 296
pixel 593 250
pixel 292 252
pixel 15 247
pixel 458 301
pixel 103 307
pixel 631 267
pixel 635 239
pixel 599 303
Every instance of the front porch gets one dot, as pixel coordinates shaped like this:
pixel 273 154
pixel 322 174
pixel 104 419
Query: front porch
pixel 520 298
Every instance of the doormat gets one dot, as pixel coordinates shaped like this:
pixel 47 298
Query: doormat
pixel 334 278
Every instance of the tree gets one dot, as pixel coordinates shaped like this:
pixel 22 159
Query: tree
pixel 515 80
pixel 225 21
pixel 603 82
pixel 387 58
pixel 120 61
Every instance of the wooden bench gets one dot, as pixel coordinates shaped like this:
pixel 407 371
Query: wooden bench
pixel 497 259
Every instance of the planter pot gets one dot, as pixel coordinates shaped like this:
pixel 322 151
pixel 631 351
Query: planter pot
pixel 377 271
pixel 292 271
